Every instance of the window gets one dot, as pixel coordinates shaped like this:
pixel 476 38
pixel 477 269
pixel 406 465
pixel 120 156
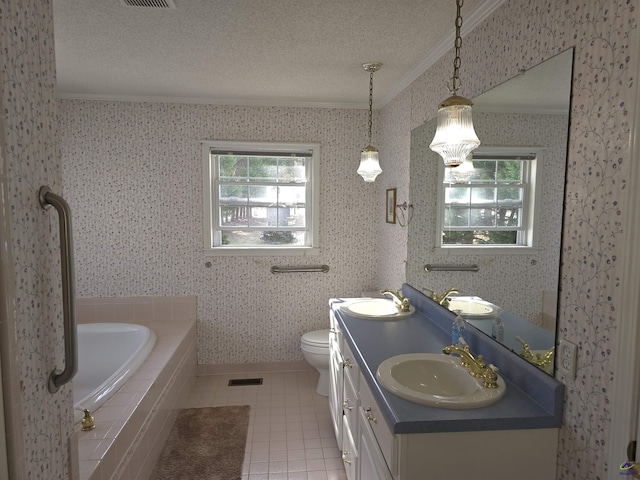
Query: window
pixel 261 198
pixel 496 206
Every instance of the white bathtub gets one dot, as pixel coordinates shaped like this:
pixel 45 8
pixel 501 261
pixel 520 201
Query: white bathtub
pixel 108 354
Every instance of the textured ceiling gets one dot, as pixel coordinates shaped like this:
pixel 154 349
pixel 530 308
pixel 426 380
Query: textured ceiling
pixel 256 52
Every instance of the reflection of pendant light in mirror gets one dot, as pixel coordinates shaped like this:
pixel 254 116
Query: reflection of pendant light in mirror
pixel 369 167
pixel 464 171
pixel 455 137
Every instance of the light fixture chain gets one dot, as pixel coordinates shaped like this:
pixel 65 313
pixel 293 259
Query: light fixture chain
pixel 455 81
pixel 370 104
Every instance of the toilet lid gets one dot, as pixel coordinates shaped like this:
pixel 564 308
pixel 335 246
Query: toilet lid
pixel 317 337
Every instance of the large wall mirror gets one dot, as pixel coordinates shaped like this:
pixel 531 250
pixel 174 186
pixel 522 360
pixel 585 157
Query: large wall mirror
pixel 530 112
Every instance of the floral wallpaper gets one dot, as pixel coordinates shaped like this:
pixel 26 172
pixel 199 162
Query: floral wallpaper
pixel 133 173
pixel 521 34
pixel 28 70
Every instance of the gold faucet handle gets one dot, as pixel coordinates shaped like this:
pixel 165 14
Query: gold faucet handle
pixel 490 376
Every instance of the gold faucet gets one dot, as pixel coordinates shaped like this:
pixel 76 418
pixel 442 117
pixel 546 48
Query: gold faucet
pixel 443 300
pixel 88 422
pixel 543 361
pixel 477 366
pixel 401 302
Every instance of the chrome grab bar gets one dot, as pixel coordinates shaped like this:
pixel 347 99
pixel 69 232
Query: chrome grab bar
pixel 451 268
pixel 320 269
pixel 58 378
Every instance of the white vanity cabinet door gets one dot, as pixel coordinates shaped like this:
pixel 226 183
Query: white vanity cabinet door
pixel 336 376
pixel 349 452
pixel 371 462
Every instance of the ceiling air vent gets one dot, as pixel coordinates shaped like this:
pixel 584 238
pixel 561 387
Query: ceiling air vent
pixel 150 3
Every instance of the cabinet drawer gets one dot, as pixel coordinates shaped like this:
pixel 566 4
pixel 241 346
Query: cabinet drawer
pixel 351 369
pixel 378 424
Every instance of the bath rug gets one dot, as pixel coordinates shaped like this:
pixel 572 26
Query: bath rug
pixel 205 443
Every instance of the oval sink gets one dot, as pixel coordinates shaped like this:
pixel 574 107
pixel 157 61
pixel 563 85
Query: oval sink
pixel 437 380
pixel 473 308
pixel 376 308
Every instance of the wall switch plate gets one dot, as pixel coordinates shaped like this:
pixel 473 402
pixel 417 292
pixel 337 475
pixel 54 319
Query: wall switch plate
pixel 566 358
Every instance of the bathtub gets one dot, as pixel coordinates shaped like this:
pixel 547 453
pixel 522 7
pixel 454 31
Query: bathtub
pixel 108 354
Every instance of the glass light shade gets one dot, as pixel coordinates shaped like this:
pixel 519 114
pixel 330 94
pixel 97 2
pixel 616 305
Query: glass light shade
pixel 463 172
pixel 455 137
pixel 369 167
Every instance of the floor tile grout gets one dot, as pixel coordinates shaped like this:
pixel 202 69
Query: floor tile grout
pixel 290 435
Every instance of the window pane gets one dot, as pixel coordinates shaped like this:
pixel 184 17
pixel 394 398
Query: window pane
pixel 292 170
pixel 232 167
pixel 485 171
pixel 508 217
pixel 483 196
pixel 291 196
pixel 262 238
pixel 457 195
pixel 509 171
pixel 482 217
pixel 234 206
pixel 512 196
pixel 456 217
pixel 264 169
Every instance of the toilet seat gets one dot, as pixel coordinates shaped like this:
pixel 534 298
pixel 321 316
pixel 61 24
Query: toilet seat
pixel 317 338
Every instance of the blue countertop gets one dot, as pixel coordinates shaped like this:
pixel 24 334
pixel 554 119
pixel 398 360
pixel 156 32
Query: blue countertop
pixel 533 398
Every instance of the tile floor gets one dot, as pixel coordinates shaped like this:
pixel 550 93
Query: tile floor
pixel 290 434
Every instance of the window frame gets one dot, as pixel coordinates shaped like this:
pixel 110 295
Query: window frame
pixel 211 198
pixel 531 203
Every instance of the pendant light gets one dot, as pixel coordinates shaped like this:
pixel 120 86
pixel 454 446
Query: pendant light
pixel 369 167
pixel 464 172
pixel 455 137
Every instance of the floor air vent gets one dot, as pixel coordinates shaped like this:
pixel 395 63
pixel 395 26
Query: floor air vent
pixel 245 381
pixel 150 3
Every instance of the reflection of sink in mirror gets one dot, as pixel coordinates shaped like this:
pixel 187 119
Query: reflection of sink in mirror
pixel 436 380
pixel 376 308
pixel 474 308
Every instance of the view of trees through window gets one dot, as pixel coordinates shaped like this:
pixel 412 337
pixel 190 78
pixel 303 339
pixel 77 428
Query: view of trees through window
pixel 489 209
pixel 261 199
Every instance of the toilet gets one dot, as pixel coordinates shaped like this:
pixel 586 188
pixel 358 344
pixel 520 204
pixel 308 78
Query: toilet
pixel 315 350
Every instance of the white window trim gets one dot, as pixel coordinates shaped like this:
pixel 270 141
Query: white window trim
pixel 532 200
pixel 210 215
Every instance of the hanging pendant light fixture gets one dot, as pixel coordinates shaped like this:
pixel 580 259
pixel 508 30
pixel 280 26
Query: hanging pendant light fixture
pixel 455 137
pixel 464 172
pixel 369 167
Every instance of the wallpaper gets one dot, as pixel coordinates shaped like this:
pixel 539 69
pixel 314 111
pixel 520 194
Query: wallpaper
pixel 133 176
pixel 28 70
pixel 521 34
pixel 515 282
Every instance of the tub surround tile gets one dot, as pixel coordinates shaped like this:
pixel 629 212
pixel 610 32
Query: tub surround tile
pixel 131 426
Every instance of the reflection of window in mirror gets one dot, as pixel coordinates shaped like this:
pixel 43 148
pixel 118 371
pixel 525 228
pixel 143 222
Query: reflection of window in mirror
pixel 492 207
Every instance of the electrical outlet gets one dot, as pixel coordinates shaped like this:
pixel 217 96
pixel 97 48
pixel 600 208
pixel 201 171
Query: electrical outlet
pixel 566 358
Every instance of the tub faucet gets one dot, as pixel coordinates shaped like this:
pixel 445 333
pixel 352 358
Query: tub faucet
pixel 401 302
pixel 88 422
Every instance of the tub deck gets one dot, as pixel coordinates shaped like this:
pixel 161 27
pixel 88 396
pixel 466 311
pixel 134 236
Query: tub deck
pixel 132 426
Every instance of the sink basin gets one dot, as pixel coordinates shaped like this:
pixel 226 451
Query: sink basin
pixel 376 308
pixel 473 308
pixel 436 380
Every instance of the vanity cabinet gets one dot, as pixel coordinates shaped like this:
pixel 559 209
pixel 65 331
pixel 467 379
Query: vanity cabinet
pixel 336 376
pixel 343 399
pixel 371 451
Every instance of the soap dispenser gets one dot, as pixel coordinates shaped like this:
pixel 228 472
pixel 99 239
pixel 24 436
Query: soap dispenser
pixel 457 329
